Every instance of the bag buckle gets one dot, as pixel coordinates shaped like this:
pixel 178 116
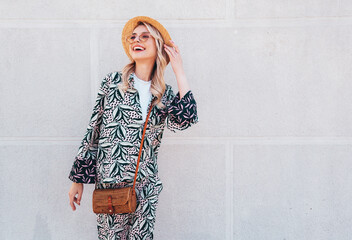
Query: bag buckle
pixel 110 207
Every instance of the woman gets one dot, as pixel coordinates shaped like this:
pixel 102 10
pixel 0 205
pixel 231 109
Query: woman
pixel 109 150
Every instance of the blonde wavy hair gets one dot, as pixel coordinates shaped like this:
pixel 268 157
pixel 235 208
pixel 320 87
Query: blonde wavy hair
pixel 158 86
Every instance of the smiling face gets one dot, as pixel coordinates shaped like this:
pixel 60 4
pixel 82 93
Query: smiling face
pixel 150 51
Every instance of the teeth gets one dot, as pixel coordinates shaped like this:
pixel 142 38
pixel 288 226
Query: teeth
pixel 138 48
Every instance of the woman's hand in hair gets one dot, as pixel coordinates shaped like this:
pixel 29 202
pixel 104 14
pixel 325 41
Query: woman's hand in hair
pixel 175 57
pixel 76 188
pixel 176 63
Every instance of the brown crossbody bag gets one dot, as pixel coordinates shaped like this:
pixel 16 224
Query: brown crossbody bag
pixel 118 200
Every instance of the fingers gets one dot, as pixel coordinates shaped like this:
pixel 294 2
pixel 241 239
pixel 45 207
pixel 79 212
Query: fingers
pixel 79 197
pixel 77 201
pixel 72 196
pixel 71 203
pixel 175 46
pixel 171 53
pixel 74 200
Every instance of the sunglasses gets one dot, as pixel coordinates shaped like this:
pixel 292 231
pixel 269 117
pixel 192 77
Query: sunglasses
pixel 143 37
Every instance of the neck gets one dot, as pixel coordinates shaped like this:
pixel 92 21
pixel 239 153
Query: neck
pixel 143 71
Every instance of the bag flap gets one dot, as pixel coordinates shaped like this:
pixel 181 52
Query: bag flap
pixel 119 196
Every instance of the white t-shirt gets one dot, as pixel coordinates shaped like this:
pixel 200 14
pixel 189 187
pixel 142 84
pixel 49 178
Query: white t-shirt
pixel 145 95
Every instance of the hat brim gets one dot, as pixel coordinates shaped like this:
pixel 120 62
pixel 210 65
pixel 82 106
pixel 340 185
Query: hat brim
pixel 132 24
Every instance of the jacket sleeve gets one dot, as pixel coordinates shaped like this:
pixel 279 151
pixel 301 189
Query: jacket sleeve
pixel 83 169
pixel 182 113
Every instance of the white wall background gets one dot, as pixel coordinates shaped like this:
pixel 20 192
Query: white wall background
pixel 270 157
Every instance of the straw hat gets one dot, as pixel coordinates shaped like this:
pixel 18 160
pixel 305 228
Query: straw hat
pixel 132 24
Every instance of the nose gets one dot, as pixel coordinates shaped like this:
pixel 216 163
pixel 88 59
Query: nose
pixel 136 39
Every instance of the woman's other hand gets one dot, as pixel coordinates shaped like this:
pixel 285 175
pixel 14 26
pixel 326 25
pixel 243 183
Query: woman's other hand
pixel 76 188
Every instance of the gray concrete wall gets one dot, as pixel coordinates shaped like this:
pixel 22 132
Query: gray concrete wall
pixel 270 157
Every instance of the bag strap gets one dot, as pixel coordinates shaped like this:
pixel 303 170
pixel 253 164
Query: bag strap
pixel 140 148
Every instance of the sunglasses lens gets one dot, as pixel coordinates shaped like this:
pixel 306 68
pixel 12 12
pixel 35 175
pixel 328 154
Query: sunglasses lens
pixel 143 37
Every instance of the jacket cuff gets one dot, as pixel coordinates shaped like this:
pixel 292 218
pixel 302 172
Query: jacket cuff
pixel 182 112
pixel 83 171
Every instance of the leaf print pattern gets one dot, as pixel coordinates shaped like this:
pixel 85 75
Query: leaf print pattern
pixel 109 151
pixel 182 113
pixel 83 169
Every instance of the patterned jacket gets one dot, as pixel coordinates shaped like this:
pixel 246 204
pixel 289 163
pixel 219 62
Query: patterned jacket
pixel 109 150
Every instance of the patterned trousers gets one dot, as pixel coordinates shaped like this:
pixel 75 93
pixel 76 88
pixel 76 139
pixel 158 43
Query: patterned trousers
pixel 138 225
